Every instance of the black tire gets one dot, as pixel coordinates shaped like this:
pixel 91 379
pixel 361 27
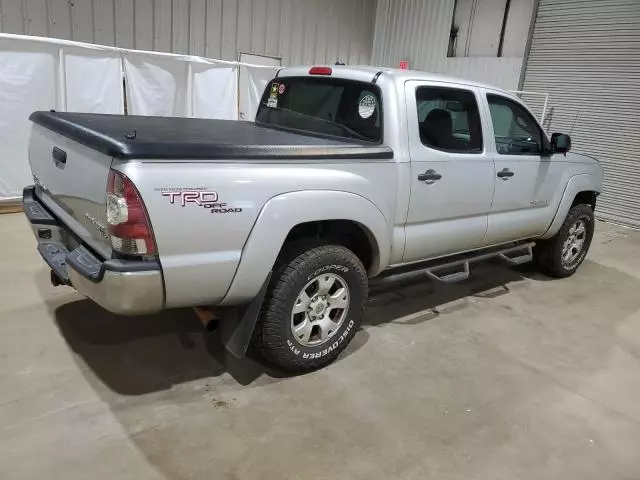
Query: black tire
pixel 274 337
pixel 548 254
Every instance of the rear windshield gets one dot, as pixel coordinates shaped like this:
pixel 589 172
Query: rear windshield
pixel 327 106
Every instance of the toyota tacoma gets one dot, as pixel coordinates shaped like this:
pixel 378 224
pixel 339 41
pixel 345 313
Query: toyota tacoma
pixel 346 174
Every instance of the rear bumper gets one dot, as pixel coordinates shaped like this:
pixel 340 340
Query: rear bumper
pixel 124 293
pixel 120 286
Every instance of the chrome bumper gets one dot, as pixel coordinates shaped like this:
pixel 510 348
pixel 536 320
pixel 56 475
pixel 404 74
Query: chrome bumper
pixel 121 286
pixel 123 293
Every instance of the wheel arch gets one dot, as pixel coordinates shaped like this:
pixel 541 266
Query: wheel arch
pixel 587 197
pixel 290 216
pixel 582 188
pixel 349 233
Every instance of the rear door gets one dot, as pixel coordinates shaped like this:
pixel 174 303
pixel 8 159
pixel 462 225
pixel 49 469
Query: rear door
pixel 526 174
pixel 451 172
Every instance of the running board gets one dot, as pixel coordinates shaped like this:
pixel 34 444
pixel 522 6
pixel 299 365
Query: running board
pixel 456 269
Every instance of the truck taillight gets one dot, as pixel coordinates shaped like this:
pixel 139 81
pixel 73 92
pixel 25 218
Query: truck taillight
pixel 127 217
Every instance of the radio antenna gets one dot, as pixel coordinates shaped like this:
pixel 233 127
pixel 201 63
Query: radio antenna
pixel 574 122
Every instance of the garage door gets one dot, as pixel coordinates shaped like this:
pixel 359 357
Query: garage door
pixel 586 55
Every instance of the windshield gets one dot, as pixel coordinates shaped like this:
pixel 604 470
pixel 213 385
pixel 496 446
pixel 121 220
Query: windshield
pixel 328 106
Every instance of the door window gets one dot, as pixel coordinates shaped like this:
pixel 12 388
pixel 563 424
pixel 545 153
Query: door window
pixel 515 129
pixel 449 119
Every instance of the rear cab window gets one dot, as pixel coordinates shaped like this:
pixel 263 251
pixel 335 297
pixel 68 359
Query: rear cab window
pixel 330 106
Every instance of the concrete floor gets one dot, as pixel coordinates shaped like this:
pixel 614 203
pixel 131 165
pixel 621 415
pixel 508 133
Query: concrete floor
pixel 507 376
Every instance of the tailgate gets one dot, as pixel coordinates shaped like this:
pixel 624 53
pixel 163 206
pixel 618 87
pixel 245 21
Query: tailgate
pixel 71 180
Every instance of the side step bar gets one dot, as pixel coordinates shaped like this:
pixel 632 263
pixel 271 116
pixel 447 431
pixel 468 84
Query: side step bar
pixel 456 269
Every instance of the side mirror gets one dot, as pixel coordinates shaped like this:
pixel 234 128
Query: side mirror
pixel 560 143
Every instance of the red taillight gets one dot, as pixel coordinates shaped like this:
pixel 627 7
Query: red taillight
pixel 320 71
pixel 129 224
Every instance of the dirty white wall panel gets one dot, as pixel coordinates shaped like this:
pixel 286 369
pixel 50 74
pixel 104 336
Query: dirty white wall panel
pixel 103 31
pixel 486 26
pixel 503 72
pixel 82 20
pixel 11 17
pixel 299 31
pixel 180 27
pixel 162 25
pixel 59 20
pixel 124 23
pixel 144 17
pixel 418 31
pixel 517 29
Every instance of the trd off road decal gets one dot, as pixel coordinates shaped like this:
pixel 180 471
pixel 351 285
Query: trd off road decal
pixel 199 196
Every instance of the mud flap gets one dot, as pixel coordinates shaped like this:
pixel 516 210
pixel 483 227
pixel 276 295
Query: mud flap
pixel 237 325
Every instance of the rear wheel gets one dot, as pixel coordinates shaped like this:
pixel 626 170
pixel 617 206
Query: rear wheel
pixel 313 309
pixel 561 255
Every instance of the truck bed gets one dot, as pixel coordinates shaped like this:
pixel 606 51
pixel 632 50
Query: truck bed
pixel 131 136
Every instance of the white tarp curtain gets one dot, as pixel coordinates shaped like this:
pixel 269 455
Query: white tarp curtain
pixel 155 86
pixel 25 85
pixel 215 91
pixel 93 82
pixel 185 86
pixel 258 77
pixel 42 73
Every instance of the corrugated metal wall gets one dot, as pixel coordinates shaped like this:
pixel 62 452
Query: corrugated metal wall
pixel 418 31
pixel 300 31
pixel 586 55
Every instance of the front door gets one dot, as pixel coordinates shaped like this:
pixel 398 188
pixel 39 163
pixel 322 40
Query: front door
pixel 526 175
pixel 451 173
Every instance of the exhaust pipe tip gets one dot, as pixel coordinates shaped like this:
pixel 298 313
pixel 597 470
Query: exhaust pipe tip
pixel 55 279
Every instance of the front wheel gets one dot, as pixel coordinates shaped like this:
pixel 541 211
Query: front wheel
pixel 561 255
pixel 313 309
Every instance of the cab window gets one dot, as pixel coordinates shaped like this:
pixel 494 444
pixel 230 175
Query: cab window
pixel 449 119
pixel 516 131
pixel 325 106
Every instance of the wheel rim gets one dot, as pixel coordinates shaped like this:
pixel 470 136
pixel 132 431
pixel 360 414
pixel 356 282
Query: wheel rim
pixel 320 309
pixel 574 244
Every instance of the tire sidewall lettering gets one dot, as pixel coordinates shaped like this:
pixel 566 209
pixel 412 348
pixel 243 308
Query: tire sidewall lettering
pixel 339 268
pixel 299 350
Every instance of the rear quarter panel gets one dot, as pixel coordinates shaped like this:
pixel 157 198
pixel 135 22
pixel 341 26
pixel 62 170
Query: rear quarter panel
pixel 200 249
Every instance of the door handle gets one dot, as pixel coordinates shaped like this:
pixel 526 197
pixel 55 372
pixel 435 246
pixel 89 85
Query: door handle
pixel 505 173
pixel 59 157
pixel 429 176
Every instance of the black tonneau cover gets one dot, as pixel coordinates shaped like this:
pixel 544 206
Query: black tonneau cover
pixel 130 136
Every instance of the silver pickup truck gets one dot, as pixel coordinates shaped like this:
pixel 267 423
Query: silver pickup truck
pixel 347 173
